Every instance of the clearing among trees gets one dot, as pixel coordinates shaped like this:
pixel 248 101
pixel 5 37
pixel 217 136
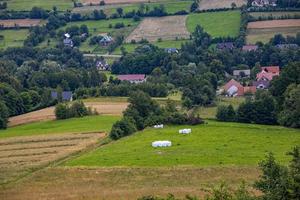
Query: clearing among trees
pixel 23 23
pixel 19 155
pixel 263 31
pixel 165 28
pixel 216 4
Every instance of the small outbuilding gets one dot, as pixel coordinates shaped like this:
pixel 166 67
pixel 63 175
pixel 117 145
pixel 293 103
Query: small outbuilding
pixel 162 143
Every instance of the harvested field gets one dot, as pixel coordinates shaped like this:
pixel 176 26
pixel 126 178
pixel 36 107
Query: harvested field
pixel 100 183
pixel 166 28
pixel 108 2
pixel 23 23
pixel 216 4
pixel 263 31
pixel 21 155
pixel 105 108
pixel 274 24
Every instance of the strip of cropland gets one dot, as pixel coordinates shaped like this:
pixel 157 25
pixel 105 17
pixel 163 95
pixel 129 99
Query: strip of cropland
pixel 217 24
pixel 263 31
pixel 26 5
pixel 218 4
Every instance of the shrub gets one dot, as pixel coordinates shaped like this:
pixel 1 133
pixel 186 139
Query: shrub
pixel 61 111
pixel 226 113
pixel 122 128
pixel 77 109
pixel 4 114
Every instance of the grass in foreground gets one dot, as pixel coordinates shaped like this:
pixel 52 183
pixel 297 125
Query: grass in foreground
pixel 76 125
pixel 212 144
pixel 26 5
pixel 217 24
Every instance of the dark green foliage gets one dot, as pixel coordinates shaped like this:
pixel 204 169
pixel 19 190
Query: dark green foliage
pixel 290 115
pixel 122 128
pixel 76 109
pixel 226 113
pixel 4 114
pixel 201 38
pixel 194 6
pixel 61 111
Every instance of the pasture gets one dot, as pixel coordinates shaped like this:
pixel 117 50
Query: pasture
pixel 263 31
pixel 75 125
pixel 217 4
pixel 217 24
pixel 22 155
pixel 13 38
pixel 25 5
pixel 212 144
pixel 166 28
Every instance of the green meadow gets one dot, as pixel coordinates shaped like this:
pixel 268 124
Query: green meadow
pixel 217 24
pixel 75 125
pixel 211 144
pixel 24 5
pixel 13 38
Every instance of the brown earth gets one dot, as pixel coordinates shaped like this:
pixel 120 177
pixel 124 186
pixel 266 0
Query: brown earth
pixel 105 108
pixel 274 24
pixel 124 183
pixel 21 155
pixel 108 2
pixel 215 4
pixel 166 28
pixel 10 23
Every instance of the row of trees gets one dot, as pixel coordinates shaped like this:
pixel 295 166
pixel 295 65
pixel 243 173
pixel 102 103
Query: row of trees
pixel 76 109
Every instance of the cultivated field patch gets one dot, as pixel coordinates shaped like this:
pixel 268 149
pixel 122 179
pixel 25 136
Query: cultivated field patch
pixel 96 2
pixel 46 114
pixel 263 31
pixel 21 155
pixel 23 23
pixel 132 183
pixel 26 5
pixel 166 28
pixel 216 4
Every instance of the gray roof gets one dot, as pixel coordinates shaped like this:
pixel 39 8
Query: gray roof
pixel 66 95
pixel 238 72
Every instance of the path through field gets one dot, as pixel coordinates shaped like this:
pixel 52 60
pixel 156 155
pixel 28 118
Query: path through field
pixel 105 108
pixel 22 155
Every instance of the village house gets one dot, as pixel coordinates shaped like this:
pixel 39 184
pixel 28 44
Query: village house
pixel 261 84
pixel 247 48
pixel 102 65
pixel 263 3
pixel 241 73
pixel 225 45
pixel 132 78
pixel 67 40
pixel 287 46
pixel 106 40
pixel 267 73
pixel 65 95
pixel 233 88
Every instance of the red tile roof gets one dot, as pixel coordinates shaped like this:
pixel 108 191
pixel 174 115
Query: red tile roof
pixel 271 69
pixel 250 48
pixel 233 82
pixel 132 77
pixel 250 89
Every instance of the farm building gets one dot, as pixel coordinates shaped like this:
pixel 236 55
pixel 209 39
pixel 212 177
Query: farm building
pixel 261 84
pixel 287 46
pixel 106 40
pixel 133 78
pixel 225 45
pixel 171 50
pixel 242 73
pixel 248 48
pixel 263 3
pixel 67 40
pixel 102 65
pixel 267 73
pixel 65 95
pixel 234 88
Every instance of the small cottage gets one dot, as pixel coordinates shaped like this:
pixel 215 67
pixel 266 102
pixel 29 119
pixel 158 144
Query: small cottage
pixel 133 78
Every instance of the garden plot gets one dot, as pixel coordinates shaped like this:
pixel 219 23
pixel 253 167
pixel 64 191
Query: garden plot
pixel 217 4
pixel 23 23
pixel 21 155
pixel 165 28
pixel 264 30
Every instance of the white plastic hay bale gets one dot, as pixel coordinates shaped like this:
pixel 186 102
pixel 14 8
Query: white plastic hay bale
pixel 159 126
pixel 162 143
pixel 185 131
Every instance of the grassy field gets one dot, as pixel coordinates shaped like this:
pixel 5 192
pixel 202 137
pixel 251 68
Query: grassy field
pixel 217 24
pixel 163 44
pixel 75 125
pixel 212 144
pixel 46 4
pixel 274 14
pixel 13 38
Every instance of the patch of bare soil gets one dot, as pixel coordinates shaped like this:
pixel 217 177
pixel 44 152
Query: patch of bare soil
pixel 19 155
pixel 216 4
pixel 124 183
pixel 10 23
pixel 166 28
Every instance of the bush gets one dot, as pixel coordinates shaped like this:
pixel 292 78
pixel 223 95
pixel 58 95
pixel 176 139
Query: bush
pixel 61 111
pixel 4 114
pixel 226 113
pixel 77 109
pixel 122 128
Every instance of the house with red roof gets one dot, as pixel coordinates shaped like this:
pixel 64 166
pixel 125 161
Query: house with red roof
pixel 249 47
pixel 267 73
pixel 132 78
pixel 234 88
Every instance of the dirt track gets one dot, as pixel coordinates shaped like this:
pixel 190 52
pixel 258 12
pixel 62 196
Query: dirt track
pixel 166 28
pixel 105 108
pixel 10 23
